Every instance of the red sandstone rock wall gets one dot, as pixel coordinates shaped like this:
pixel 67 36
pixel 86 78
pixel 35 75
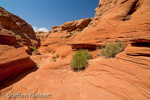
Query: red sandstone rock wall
pixel 110 24
pixel 18 26
pixel 66 31
pixel 115 20
pixel 13 57
pixel 14 51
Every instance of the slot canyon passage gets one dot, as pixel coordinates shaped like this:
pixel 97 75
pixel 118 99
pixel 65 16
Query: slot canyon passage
pixel 124 77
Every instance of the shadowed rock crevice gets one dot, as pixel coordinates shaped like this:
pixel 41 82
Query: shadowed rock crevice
pixel 139 49
pixel 16 78
pixel 137 5
pixel 90 47
pixel 134 8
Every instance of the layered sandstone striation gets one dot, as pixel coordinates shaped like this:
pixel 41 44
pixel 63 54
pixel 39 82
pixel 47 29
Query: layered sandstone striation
pixel 137 52
pixel 78 25
pixel 16 37
pixel 116 20
pixel 18 26
pixel 41 35
pixel 67 30
pixel 14 58
pixel 62 35
pixel 125 77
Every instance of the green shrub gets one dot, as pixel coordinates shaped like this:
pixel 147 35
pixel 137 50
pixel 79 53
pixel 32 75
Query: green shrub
pixel 121 46
pixel 57 55
pixel 34 49
pixel 54 59
pixel 80 59
pixel 112 49
pixel 87 54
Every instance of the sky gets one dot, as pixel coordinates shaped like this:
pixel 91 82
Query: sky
pixel 43 14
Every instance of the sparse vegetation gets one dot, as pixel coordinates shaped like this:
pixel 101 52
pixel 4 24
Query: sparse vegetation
pixel 112 49
pixel 15 35
pixel 35 65
pixel 128 17
pixel 57 55
pixel 18 36
pixel 38 37
pixel 87 54
pixel 54 59
pixel 80 59
pixel 71 33
pixel 34 49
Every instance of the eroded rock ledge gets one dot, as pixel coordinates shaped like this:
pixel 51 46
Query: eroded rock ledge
pixel 13 60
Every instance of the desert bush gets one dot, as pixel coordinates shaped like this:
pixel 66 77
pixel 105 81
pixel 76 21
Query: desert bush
pixel 121 46
pixel 87 54
pixel 112 49
pixel 34 49
pixel 57 55
pixel 54 59
pixel 80 59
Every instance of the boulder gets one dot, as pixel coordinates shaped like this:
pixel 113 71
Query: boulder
pixel 78 25
pixel 69 26
pixel 56 29
pixel 83 23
